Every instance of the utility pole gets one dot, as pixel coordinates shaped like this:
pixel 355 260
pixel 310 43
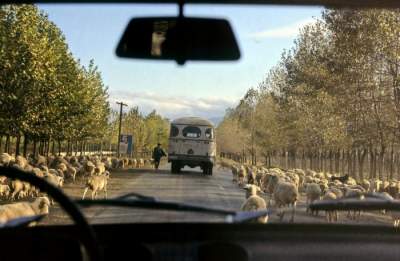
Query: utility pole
pixel 121 104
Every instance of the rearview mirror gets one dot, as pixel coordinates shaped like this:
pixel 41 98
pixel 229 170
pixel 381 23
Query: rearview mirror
pixel 180 39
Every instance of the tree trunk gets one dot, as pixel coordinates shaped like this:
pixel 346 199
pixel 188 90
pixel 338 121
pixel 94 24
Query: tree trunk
pixel 53 147
pixel 34 147
pixel 17 144
pixel 68 147
pixel 349 163
pixel 81 149
pixel 361 159
pixel 47 147
pixel 25 145
pixel 59 147
pixel 1 141
pixel 7 147
pixel 372 164
pixel 391 158
pixel 381 162
pixel 343 160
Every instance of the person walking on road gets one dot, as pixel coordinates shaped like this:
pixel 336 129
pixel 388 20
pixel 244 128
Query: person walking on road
pixel 158 153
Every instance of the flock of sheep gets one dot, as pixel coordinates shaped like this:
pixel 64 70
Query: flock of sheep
pixel 93 171
pixel 283 188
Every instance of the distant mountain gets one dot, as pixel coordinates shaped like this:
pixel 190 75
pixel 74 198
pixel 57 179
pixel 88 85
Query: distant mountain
pixel 216 120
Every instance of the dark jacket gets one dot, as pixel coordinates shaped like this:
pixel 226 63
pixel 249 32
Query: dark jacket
pixel 158 153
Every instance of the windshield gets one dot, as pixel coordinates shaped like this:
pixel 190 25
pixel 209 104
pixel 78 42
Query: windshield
pixel 310 112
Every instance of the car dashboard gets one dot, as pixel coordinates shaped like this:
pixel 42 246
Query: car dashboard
pixel 198 242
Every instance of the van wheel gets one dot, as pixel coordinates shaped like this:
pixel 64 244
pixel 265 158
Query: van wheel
pixel 211 170
pixel 207 169
pixel 175 167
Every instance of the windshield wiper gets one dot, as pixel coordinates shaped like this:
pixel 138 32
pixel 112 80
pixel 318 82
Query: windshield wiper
pixel 370 201
pixel 136 195
pixel 151 203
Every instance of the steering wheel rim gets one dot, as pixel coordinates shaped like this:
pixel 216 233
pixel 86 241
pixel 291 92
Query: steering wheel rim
pixel 89 239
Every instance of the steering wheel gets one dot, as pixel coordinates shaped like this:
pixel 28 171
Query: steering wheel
pixel 88 236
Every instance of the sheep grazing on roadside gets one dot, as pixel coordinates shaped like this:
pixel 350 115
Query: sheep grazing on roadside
pixel 313 192
pixel 331 215
pixel 393 190
pixel 40 206
pixel 254 203
pixel 354 193
pixel 56 172
pixel 115 163
pixel 375 185
pixel 97 183
pixel 5 159
pixel 89 168
pixel 134 163
pixel 351 181
pixel 366 184
pixel 4 191
pixel 286 194
pixel 126 162
pixel 16 186
pixel 70 173
pixel 62 167
pixel 242 175
pixel 3 179
pixel 40 161
pixel 235 172
pixel 385 185
pixel 251 175
pixel 101 167
pixel 141 163
pixel 130 163
pixel 54 180
pixel 342 179
pixel 251 190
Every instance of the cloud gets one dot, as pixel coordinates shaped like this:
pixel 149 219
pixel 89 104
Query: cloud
pixel 176 106
pixel 284 31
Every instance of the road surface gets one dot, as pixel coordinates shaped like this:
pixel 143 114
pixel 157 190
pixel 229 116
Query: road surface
pixel 191 186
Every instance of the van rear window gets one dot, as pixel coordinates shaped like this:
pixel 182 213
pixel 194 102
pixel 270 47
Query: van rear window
pixel 174 131
pixel 209 133
pixel 191 132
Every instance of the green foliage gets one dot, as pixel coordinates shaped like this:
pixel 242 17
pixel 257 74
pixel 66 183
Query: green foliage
pixel 338 88
pixel 45 92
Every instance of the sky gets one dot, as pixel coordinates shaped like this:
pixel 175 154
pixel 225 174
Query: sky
pixel 204 89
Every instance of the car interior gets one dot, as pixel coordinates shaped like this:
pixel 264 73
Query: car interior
pixel 181 39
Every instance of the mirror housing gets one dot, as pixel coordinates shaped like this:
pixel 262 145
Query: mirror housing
pixel 180 39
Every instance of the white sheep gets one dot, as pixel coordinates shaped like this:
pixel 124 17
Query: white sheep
pixel 251 189
pixel 54 180
pixel 97 183
pixel 5 159
pixel 332 215
pixel 16 186
pixel 141 163
pixel 286 194
pixel 353 193
pixel 313 192
pixel 40 206
pixel 242 175
pixel 101 168
pixel 375 185
pixel 4 190
pixel 235 172
pixel 254 203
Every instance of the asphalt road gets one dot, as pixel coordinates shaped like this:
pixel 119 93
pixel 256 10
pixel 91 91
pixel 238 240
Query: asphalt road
pixel 191 186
